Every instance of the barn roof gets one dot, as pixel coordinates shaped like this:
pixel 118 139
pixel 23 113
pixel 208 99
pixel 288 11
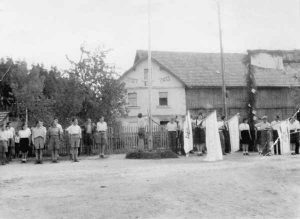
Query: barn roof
pixel 201 69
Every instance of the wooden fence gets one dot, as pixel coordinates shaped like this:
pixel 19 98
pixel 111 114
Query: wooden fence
pixel 120 139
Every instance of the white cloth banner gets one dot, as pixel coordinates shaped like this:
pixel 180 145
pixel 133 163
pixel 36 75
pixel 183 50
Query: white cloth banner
pixel 284 136
pixel 187 134
pixel 234 133
pixel 213 144
pixel 265 60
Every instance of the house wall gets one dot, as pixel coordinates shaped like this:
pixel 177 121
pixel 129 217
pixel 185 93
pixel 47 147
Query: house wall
pixel 270 101
pixel 206 100
pixel 162 81
pixel 275 101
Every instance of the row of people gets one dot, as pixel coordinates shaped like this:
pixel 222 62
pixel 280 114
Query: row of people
pixel 13 142
pixel 265 134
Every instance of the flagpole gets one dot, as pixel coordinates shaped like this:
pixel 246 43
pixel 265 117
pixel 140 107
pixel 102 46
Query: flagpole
pixel 150 142
pixel 222 63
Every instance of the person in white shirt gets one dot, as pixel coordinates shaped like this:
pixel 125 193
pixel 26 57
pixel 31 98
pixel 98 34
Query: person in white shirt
pixel 10 143
pixel 172 129
pixel 294 135
pixel 275 125
pixel 38 138
pixel 74 132
pixel 59 126
pixel 24 134
pixel 245 136
pixel 3 144
pixel 101 136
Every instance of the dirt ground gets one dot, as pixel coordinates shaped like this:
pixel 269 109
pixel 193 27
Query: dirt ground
pixel 237 187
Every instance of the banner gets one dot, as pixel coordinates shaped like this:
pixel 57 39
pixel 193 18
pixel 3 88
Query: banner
pixel 213 144
pixel 284 136
pixel 234 133
pixel 188 134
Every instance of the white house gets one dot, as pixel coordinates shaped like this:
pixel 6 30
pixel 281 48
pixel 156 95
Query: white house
pixel 168 92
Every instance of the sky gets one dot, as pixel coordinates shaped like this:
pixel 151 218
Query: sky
pixel 45 31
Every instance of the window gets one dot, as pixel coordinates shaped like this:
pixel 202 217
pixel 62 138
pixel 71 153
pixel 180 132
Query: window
pixel 145 76
pixel 132 99
pixel 163 98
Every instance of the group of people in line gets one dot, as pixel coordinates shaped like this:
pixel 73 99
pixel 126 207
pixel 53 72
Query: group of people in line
pixel 17 143
pixel 263 135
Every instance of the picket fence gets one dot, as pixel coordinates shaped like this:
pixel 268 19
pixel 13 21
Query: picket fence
pixel 120 139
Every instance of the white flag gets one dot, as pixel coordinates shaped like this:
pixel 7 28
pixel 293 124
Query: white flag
pixel 284 136
pixel 213 144
pixel 233 125
pixel 188 134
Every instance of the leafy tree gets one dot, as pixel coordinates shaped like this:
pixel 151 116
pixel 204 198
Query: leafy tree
pixel 103 94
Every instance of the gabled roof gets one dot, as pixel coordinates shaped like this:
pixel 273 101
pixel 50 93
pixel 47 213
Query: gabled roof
pixel 201 69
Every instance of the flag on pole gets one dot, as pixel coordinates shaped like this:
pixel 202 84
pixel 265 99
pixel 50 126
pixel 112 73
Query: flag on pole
pixel 188 134
pixel 233 125
pixel 284 136
pixel 213 144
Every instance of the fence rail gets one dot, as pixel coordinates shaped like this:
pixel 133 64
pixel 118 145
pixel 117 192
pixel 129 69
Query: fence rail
pixel 120 139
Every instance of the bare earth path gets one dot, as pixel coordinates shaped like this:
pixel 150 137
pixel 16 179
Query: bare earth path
pixel 238 187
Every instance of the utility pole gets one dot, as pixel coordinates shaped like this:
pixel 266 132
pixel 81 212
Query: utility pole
pixel 150 142
pixel 222 63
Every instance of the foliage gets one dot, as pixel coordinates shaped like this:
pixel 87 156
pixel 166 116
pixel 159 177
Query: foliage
pixel 102 93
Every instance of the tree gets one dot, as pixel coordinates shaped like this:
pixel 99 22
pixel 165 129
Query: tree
pixel 103 94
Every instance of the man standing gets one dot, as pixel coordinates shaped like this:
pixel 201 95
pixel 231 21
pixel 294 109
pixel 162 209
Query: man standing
pixel 102 136
pixel 275 127
pixel 75 136
pixel 38 138
pixel 89 136
pixel 265 136
pixel 10 143
pixel 172 129
pixel 294 135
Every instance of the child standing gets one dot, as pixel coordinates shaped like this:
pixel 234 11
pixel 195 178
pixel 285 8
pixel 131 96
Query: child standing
pixel 38 139
pixel 17 145
pixel 245 136
pixel 24 134
pixel 54 136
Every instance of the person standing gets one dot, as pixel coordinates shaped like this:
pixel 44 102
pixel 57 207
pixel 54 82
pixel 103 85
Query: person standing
pixel 275 128
pixel 199 132
pixel 294 135
pixel 265 136
pixel 180 144
pixel 38 138
pixel 10 143
pixel 17 145
pixel 3 144
pixel 172 129
pixel 88 136
pixel 53 139
pixel 74 132
pixel 141 124
pixel 101 140
pixel 221 127
pixel 245 136
pixel 24 134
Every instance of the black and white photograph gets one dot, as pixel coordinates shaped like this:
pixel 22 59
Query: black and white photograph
pixel 149 109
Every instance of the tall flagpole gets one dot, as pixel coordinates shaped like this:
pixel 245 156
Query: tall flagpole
pixel 150 142
pixel 222 63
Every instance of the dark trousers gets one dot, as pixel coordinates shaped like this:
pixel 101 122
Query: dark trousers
pixel 295 140
pixel 227 141
pixel 275 136
pixel 222 141
pixel 172 141
pixel 88 143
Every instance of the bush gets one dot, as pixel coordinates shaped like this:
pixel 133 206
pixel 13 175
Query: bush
pixel 157 154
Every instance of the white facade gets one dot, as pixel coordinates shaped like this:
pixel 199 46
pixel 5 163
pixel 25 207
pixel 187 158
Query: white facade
pixel 168 93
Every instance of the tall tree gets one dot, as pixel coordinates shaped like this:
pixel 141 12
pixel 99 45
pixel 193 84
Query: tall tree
pixel 103 93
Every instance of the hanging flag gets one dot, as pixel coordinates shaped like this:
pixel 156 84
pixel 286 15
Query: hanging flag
pixel 284 136
pixel 234 133
pixel 213 144
pixel 188 134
